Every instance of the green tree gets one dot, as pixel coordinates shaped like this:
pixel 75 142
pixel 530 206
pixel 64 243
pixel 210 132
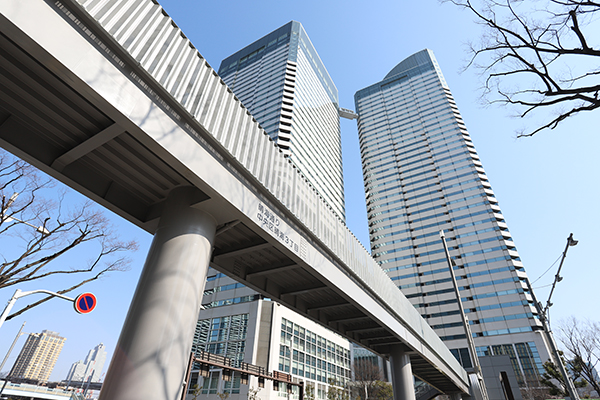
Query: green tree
pixel 253 393
pixel 223 395
pixel 552 374
pixel 336 392
pixel 196 391
pixel 383 391
pixel 539 55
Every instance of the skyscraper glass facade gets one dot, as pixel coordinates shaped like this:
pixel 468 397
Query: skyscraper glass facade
pixel 89 369
pixel 422 175
pixel 281 80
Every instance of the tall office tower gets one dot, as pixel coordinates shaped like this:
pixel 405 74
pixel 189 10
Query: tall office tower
pixel 283 83
pixel 281 80
pixel 422 175
pixel 38 356
pixel 89 369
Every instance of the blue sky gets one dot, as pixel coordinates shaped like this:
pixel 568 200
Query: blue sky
pixel 547 186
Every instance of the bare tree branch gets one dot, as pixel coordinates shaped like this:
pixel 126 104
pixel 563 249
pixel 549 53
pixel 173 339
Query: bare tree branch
pixel 28 254
pixel 582 344
pixel 528 53
pixel 368 380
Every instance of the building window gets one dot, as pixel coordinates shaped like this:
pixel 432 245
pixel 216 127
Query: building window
pixel 306 354
pixel 463 357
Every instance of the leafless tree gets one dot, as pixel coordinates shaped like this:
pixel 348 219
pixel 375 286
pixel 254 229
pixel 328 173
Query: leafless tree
pixel 538 55
pixel 365 369
pixel 582 344
pixel 37 228
pixel 368 380
pixel 534 390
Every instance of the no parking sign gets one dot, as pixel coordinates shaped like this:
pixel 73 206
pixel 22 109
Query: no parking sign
pixel 85 303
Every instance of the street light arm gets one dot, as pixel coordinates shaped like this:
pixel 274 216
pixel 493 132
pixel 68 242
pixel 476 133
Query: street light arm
pixel 23 294
pixel 12 346
pixel 18 294
pixel 6 204
pixel 557 277
pixel 467 328
pixel 41 229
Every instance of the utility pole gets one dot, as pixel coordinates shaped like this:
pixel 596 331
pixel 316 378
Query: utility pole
pixel 470 341
pixel 12 346
pixel 543 313
pixel 19 293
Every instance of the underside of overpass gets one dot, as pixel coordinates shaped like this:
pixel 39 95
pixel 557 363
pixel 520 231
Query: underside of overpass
pixel 58 123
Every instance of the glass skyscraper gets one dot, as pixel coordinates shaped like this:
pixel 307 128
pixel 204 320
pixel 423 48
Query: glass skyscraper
pixel 89 369
pixel 422 175
pixel 281 80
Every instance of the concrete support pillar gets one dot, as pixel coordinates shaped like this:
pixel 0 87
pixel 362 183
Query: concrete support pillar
pixel 402 377
pixel 152 354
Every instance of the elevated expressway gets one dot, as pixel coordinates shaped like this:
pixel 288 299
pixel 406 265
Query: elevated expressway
pixel 111 98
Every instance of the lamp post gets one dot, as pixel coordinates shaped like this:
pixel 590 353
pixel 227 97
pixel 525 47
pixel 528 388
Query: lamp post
pixel 8 354
pixel 543 313
pixel 19 293
pixel 468 334
pixel 12 346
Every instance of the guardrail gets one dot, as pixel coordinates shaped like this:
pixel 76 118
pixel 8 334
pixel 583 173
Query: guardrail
pixel 206 360
pixel 27 388
pixel 228 365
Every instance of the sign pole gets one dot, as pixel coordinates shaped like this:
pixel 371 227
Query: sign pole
pixel 84 303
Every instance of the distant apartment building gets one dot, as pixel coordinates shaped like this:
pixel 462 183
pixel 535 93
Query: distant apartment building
pixel 38 356
pixel 89 369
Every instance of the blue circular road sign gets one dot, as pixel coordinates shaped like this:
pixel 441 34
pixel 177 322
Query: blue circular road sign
pixel 85 303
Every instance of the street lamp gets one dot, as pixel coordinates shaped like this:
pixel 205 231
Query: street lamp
pixel 12 346
pixel 11 200
pixel 4 218
pixel 468 334
pixel 557 277
pixel 8 354
pixel 543 313
pixel 19 293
